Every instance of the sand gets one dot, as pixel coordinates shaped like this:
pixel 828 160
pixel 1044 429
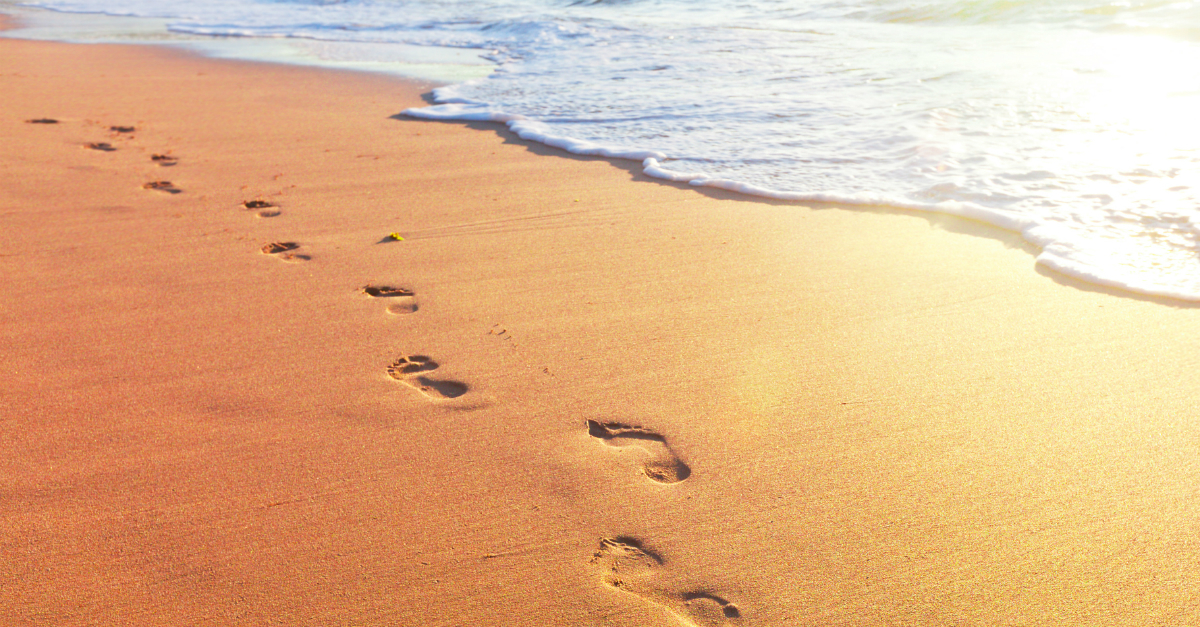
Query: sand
pixel 590 398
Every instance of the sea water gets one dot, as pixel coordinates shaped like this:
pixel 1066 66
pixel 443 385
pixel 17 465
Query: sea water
pixel 1073 122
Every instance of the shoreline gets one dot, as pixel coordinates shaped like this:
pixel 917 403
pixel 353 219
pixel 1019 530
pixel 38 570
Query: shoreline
pixel 747 412
pixel 1047 251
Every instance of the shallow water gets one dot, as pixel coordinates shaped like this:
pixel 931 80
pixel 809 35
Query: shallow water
pixel 1071 121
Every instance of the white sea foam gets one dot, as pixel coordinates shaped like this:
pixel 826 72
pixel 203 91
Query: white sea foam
pixel 1072 122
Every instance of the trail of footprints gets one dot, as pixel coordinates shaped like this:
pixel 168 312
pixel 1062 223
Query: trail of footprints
pixel 121 132
pixel 623 563
pixel 626 564
pixel 125 133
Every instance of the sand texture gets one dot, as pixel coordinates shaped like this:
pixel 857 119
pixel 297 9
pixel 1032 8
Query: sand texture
pixel 569 396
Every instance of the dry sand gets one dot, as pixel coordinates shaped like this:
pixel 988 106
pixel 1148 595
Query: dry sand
pixel 800 415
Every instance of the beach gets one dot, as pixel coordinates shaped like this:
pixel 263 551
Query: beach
pixel 276 354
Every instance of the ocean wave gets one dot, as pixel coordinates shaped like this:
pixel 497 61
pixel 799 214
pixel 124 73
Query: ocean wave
pixel 1070 121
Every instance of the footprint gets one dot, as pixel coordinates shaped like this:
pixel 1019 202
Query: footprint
pixel 283 250
pixel 162 186
pixel 408 369
pixel 664 465
pixel 624 562
pixel 42 121
pixel 267 209
pixel 627 565
pixel 402 301
pixel 122 129
pixel 164 160
pixel 275 248
pixel 101 146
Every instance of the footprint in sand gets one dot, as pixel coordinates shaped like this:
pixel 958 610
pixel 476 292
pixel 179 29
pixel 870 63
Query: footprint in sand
pixel 401 301
pixel 162 186
pixel 164 160
pixel 122 129
pixel 284 251
pixel 101 146
pixel 42 121
pixel 627 565
pixel 266 209
pixel 408 369
pixel 664 465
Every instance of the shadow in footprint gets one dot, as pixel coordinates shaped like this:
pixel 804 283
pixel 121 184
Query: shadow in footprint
pixel 408 369
pixel 444 389
pixel 709 609
pixel 164 160
pixel 664 465
pixel 42 121
pixel 101 146
pixel 627 565
pixel 401 300
pixel 410 365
